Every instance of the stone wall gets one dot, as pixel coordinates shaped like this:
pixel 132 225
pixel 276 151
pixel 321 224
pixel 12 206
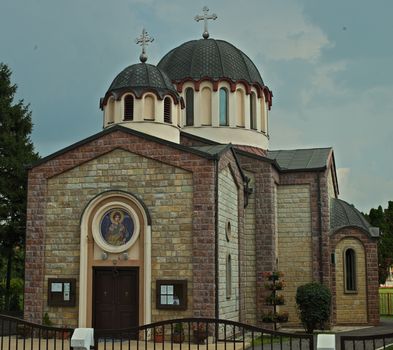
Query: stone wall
pixel 203 219
pixel 295 254
pixel 364 305
pixel 228 245
pixel 165 190
pixel 351 307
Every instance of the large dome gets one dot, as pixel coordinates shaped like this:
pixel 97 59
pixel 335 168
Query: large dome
pixel 212 59
pixel 138 78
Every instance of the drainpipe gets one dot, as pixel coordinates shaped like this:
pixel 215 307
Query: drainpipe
pixel 216 236
pixel 320 229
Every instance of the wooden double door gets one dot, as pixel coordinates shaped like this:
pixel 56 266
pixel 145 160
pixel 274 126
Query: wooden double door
pixel 115 297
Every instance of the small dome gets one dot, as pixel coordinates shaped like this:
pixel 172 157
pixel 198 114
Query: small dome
pixel 139 78
pixel 209 58
pixel 343 215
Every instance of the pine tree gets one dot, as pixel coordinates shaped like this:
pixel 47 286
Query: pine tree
pixel 16 152
pixel 383 218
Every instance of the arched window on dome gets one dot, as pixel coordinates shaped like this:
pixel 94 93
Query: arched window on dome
pixel 223 107
pixel 110 111
pixel 128 107
pixel 167 110
pixel 206 106
pixel 253 111
pixel 149 108
pixel 263 115
pixel 240 110
pixel 189 107
pixel 350 270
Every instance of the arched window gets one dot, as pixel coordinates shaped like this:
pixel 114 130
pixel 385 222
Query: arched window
pixel 167 110
pixel 263 115
pixel 149 108
pixel 128 107
pixel 223 107
pixel 253 111
pixel 206 106
pixel 189 106
pixel 240 108
pixel 110 111
pixel 229 277
pixel 350 270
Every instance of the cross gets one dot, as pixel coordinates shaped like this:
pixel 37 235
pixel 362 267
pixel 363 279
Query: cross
pixel 143 40
pixel 205 17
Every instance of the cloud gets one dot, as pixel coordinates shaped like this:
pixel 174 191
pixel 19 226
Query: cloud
pixel 278 30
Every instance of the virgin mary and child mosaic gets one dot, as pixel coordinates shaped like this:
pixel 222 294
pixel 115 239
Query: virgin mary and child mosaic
pixel 117 227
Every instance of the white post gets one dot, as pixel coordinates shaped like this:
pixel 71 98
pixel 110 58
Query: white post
pixel 326 342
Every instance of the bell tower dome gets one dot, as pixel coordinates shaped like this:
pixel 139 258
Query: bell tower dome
pixel 225 97
pixel 143 98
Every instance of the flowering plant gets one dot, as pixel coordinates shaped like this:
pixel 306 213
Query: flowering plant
pixel 201 328
pixel 275 285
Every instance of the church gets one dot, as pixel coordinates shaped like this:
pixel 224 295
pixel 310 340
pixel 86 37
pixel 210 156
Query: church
pixel 178 208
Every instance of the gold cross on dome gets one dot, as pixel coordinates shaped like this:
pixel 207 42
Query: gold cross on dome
pixel 144 40
pixel 205 17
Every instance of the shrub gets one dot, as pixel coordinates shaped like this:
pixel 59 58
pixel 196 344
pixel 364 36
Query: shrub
pixel 313 300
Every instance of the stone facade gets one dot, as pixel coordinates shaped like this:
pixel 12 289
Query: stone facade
pixel 191 192
pixel 294 242
pixel 228 246
pixel 250 261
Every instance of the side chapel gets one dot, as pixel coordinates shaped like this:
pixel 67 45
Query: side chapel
pixel 177 207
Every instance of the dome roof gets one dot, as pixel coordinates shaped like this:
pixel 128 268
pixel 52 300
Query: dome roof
pixel 215 59
pixel 343 215
pixel 142 77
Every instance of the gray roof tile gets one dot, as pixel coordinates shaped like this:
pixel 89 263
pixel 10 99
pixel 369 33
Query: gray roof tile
pixel 301 159
pixel 343 214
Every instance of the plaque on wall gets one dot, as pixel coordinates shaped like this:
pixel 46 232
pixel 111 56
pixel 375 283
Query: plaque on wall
pixel 61 291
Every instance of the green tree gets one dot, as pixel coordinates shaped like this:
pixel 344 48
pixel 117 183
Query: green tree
pixel 16 152
pixel 383 218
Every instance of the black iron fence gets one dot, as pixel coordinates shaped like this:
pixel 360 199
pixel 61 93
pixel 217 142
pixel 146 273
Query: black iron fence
pixel 369 342
pixel 16 334
pixel 187 334
pixel 200 334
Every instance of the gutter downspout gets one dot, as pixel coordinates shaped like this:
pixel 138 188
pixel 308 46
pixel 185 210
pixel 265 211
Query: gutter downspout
pixel 216 237
pixel 320 229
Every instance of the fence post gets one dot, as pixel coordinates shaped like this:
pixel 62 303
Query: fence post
pixel 82 338
pixel 326 342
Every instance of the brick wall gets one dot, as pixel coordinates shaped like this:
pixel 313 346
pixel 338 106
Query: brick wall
pixel 250 261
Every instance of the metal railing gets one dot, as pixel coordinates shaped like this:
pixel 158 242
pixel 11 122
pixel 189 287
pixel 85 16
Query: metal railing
pixel 17 334
pixel 199 334
pixel 367 342
pixel 177 334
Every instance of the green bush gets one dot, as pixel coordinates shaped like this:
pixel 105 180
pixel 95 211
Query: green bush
pixel 313 301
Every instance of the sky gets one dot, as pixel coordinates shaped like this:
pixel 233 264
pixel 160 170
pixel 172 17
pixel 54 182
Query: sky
pixel 328 63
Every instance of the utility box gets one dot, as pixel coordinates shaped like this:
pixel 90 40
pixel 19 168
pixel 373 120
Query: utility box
pixel 82 338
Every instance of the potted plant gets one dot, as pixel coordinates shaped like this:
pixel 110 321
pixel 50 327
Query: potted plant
pixel 158 335
pixel 178 333
pixel 200 331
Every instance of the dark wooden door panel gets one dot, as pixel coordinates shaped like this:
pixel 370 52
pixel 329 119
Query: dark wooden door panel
pixel 116 300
